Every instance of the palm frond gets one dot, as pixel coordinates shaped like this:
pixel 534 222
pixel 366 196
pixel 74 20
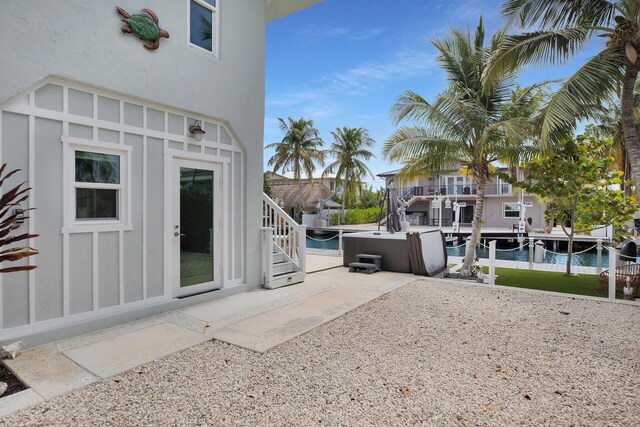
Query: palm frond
pixel 580 96
pixel 557 13
pixel 536 48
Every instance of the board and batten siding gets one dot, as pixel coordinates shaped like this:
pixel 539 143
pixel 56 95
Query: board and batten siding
pixel 88 271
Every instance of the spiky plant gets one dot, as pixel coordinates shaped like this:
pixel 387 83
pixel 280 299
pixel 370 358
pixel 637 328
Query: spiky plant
pixel 8 201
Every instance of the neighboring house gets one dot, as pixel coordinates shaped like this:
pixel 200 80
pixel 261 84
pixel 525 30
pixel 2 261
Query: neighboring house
pixel 501 209
pixel 137 213
pixel 287 195
pixel 328 180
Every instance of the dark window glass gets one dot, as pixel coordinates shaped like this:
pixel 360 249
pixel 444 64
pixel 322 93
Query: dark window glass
pixel 211 2
pixel 97 167
pixel 511 211
pixel 94 203
pixel 200 27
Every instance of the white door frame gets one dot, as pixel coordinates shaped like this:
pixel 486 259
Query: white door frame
pixel 218 224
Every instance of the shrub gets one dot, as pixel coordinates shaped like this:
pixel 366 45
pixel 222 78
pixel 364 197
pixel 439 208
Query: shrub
pixel 359 216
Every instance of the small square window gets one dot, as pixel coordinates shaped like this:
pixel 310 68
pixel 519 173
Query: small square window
pixel 510 210
pixel 99 184
pixel 203 24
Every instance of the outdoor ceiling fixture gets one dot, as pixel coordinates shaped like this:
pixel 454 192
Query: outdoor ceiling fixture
pixel 196 130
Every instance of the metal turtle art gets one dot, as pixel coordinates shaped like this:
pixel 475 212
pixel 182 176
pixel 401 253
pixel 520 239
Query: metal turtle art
pixel 144 26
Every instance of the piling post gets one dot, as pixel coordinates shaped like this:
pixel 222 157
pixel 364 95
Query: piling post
pixel 612 274
pixel 492 262
pixel 531 249
pixel 340 242
pixel 599 259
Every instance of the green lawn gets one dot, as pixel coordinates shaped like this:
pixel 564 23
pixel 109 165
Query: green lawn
pixel 584 284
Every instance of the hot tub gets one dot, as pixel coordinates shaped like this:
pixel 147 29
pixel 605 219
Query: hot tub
pixel 395 250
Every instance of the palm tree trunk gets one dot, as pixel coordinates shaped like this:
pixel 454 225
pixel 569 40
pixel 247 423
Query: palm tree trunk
pixel 476 229
pixel 631 144
pixel 570 247
pixel 344 194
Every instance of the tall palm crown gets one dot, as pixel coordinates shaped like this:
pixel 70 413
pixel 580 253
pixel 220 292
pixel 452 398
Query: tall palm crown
pixel 561 29
pixel 298 151
pixel 465 125
pixel 350 151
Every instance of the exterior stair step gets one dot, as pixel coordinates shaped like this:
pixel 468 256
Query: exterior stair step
pixel 283 267
pixel 278 257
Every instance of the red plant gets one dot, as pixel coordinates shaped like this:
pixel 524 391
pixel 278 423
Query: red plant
pixel 8 216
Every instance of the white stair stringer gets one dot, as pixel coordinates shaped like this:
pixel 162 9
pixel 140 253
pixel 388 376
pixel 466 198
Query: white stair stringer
pixel 283 247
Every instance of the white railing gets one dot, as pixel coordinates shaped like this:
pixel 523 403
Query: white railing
pixel 280 233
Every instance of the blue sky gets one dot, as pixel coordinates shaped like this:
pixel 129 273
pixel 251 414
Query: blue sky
pixel 343 62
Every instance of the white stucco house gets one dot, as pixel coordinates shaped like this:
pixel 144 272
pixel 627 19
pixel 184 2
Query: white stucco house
pixel 138 212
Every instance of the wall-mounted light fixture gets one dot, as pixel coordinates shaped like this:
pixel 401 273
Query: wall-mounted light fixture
pixel 196 130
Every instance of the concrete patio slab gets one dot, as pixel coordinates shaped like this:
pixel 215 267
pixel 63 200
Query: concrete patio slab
pixel 265 331
pixel 19 401
pixel 317 262
pixel 110 357
pixel 48 372
pixel 107 334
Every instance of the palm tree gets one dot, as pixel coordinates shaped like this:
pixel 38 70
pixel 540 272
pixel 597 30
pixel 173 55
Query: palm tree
pixel 349 149
pixel 298 151
pixel 465 125
pixel 562 29
pixel 608 124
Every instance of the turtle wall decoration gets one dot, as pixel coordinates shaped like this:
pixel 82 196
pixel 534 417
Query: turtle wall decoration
pixel 144 26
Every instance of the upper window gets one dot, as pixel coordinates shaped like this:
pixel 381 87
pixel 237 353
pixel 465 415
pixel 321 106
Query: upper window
pixel 510 210
pixel 203 24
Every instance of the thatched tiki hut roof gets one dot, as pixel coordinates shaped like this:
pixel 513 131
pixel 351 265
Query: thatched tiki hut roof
pixel 311 195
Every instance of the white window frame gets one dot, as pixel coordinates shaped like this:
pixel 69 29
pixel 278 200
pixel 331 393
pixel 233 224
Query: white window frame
pixel 504 205
pixel 215 24
pixel 71 223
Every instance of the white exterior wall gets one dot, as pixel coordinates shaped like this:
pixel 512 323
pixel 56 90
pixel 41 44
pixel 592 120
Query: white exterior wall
pixel 66 66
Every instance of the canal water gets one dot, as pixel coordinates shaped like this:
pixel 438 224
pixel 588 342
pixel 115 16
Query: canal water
pixel 329 241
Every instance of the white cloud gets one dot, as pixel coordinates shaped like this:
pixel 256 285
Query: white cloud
pixel 407 63
pixel 317 31
pixel 354 81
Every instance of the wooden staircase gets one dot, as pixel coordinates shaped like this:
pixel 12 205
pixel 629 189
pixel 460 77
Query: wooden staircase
pixel 283 247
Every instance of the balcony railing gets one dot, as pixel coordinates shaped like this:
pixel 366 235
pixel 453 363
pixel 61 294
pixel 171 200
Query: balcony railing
pixel 460 190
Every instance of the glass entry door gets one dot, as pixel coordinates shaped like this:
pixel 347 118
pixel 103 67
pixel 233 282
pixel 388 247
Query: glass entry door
pixel 196 229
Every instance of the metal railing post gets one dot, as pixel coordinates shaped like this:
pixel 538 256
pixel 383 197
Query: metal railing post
pixel 340 242
pixel 599 259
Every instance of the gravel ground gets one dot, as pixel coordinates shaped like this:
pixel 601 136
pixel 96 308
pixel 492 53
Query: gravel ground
pixel 430 353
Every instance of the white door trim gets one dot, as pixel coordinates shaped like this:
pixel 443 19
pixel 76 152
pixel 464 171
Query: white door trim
pixel 218 225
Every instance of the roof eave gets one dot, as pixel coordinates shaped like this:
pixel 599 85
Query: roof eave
pixel 278 8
